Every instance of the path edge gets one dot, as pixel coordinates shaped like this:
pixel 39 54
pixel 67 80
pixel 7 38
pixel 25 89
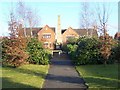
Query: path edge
pixel 86 84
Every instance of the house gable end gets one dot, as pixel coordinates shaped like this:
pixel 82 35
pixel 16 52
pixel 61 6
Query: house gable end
pixel 70 31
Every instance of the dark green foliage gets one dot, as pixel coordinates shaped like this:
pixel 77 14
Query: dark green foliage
pixel 88 51
pixel 84 51
pixel 64 48
pixel 72 50
pixel 38 55
pixel 116 53
pixel 72 40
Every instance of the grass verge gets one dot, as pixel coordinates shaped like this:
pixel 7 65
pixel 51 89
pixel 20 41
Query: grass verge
pixel 100 76
pixel 26 76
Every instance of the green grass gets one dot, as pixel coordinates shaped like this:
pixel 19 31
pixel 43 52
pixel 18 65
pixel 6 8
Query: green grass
pixel 100 76
pixel 26 76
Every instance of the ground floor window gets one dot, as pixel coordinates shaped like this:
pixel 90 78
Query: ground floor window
pixel 45 44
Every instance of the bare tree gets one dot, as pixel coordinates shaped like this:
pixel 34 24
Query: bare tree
pixel 87 19
pixel 103 16
pixel 21 12
pixel 28 16
pixel 106 40
pixel 32 20
pixel 13 25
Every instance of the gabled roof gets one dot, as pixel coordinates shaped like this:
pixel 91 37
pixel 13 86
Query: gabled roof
pixel 35 30
pixel 53 28
pixel 71 31
pixel 63 30
pixel 83 32
pixel 28 31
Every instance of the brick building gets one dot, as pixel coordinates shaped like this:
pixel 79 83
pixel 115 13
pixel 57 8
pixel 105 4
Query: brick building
pixel 51 37
pixel 47 36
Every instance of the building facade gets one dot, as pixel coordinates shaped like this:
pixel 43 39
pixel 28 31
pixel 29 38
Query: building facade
pixel 51 37
pixel 69 33
pixel 47 36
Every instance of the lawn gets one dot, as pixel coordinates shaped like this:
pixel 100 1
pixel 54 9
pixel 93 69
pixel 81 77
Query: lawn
pixel 26 76
pixel 100 76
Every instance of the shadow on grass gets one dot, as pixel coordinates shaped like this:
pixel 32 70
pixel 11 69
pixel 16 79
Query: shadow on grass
pixel 7 84
pixel 101 82
pixel 27 71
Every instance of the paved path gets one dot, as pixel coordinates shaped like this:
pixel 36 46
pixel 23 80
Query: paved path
pixel 62 74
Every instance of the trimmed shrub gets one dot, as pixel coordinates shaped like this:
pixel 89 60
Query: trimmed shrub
pixel 38 55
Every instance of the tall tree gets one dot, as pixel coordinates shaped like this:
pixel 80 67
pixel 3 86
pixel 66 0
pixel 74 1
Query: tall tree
pixel 28 16
pixel 103 13
pixel 32 19
pixel 13 25
pixel 21 12
pixel 87 20
pixel 106 40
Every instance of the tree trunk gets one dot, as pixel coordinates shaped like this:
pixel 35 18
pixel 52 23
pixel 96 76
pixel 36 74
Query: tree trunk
pixel 25 32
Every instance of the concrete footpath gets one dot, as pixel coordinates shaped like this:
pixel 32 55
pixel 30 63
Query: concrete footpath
pixel 62 74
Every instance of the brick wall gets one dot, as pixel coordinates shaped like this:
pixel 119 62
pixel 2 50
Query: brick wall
pixel 47 37
pixel 68 33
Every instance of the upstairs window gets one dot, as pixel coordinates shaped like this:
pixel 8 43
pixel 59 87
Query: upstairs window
pixel 46 35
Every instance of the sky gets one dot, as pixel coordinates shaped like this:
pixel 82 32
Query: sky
pixel 69 11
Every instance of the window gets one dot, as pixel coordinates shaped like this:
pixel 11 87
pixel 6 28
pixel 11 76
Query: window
pixel 46 35
pixel 45 44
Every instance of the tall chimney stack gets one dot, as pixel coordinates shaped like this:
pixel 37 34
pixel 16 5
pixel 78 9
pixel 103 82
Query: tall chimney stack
pixel 58 31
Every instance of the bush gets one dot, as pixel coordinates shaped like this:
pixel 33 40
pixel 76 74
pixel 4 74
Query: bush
pixel 13 51
pixel 88 51
pixel 64 48
pixel 72 40
pixel 38 55
pixel 116 53
pixel 72 50
pixel 84 51
pixel 107 43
